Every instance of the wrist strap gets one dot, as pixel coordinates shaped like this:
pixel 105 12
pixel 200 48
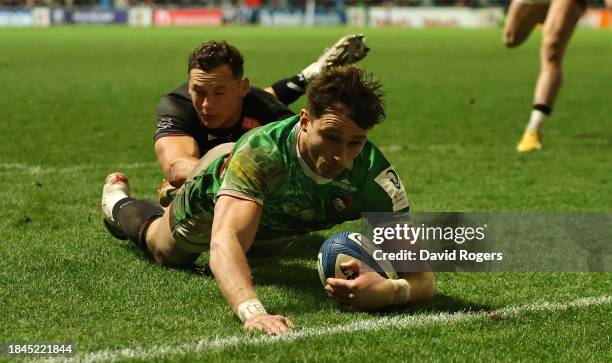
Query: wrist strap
pixel 250 308
pixel 402 291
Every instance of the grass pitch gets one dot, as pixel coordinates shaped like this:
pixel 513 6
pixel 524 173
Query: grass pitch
pixel 79 102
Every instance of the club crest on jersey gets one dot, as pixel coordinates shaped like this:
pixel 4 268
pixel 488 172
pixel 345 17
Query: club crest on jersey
pixel 340 202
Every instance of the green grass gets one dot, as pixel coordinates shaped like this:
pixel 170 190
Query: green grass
pixel 79 102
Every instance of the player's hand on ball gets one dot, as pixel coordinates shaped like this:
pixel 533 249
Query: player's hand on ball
pixel 269 324
pixel 368 291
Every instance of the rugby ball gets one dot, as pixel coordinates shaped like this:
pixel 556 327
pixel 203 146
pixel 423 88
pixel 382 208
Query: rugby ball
pixel 343 247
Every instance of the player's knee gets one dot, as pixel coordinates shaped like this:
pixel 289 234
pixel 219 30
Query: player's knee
pixel 552 52
pixel 510 39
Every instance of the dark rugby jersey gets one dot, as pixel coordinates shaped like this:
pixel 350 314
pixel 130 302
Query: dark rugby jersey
pixel 176 116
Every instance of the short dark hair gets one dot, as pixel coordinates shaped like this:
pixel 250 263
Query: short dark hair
pixel 213 54
pixel 348 90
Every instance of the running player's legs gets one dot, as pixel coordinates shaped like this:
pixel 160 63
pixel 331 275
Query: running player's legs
pixel 522 17
pixel 559 26
pixel 163 246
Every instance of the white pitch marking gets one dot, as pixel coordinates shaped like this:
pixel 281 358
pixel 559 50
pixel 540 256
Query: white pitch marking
pixel 361 325
pixel 8 168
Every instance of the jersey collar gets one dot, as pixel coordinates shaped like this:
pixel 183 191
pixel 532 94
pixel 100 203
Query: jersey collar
pixel 305 168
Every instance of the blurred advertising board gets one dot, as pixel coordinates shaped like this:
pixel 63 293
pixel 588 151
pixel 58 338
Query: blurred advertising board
pixel 188 17
pixel 439 17
pixel 99 16
pixel 41 17
pixel 596 19
pixel 15 18
pixel 140 16
pixel 297 17
pixel 88 16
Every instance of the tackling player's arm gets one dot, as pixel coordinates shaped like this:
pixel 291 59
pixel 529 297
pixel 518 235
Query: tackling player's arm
pixel 233 231
pixel 177 156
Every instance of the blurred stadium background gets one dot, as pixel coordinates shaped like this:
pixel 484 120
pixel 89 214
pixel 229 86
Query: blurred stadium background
pixel 373 13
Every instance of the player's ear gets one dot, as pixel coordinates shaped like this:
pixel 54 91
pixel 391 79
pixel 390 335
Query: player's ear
pixel 244 87
pixel 304 119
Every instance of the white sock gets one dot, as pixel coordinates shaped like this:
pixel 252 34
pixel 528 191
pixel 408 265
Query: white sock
pixel 112 194
pixel 536 120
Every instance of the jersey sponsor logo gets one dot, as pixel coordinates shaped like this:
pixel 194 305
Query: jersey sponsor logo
pixel 293 193
pixel 391 183
pixel 344 184
pixel 165 122
pixel 249 123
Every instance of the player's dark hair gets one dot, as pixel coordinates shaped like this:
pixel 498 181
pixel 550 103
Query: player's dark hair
pixel 213 54
pixel 348 90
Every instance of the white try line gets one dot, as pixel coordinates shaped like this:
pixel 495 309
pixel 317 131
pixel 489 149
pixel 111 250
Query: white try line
pixel 10 168
pixel 359 325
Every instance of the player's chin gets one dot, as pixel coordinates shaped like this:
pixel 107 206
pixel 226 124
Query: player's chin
pixel 212 122
pixel 329 172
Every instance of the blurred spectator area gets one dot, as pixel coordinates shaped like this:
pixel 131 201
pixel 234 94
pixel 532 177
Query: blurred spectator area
pixel 254 3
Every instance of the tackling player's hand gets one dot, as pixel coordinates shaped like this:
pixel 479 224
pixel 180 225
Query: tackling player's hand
pixel 269 324
pixel 369 291
pixel 165 193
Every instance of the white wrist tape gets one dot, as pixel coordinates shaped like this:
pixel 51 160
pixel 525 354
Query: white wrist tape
pixel 402 291
pixel 250 308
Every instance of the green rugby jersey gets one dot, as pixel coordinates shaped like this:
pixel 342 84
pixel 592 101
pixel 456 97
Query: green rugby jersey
pixel 265 167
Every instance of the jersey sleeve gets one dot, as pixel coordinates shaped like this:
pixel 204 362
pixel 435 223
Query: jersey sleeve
pixel 254 170
pixel 175 117
pixel 384 190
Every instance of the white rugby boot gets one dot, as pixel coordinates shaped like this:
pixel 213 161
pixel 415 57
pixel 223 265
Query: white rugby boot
pixel 348 50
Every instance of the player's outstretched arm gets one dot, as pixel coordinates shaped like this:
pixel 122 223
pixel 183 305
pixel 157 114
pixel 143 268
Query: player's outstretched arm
pixel 370 291
pixel 233 231
pixel 177 156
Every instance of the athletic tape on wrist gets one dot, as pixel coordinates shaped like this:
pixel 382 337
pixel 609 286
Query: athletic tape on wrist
pixel 250 308
pixel 402 291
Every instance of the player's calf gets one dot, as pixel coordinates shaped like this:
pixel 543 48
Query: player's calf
pixel 163 247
